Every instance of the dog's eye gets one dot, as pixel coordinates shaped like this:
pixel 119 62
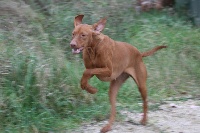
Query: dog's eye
pixel 83 35
pixel 73 34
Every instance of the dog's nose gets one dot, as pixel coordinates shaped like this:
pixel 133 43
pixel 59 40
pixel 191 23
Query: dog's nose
pixel 72 45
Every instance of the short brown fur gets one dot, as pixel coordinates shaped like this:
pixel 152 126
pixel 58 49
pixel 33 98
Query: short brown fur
pixel 111 61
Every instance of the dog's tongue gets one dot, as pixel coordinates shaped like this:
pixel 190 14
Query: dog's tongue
pixel 76 51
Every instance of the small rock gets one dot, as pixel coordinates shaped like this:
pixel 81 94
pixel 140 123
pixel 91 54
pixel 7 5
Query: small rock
pixel 173 105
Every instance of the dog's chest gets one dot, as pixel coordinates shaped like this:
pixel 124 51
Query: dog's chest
pixel 94 60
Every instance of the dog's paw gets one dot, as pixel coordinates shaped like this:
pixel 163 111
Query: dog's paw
pixel 106 128
pixel 143 121
pixel 91 90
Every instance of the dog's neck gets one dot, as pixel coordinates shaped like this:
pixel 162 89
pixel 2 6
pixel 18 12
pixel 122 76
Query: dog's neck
pixel 92 48
pixel 95 41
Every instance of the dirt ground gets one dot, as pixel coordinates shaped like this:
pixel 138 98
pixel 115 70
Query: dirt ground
pixel 170 117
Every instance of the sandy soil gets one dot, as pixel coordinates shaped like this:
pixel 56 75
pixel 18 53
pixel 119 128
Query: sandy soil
pixel 171 117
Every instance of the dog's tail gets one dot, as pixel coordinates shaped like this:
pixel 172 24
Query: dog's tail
pixel 152 51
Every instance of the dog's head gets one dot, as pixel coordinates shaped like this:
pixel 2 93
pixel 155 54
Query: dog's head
pixel 83 34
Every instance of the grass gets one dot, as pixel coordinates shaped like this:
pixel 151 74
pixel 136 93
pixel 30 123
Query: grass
pixel 40 90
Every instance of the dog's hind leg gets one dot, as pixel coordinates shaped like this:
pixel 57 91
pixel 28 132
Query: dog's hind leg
pixel 139 74
pixel 114 87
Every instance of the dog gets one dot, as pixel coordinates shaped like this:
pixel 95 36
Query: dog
pixel 110 61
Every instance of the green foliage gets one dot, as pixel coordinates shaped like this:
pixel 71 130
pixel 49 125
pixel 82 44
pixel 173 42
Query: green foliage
pixel 40 90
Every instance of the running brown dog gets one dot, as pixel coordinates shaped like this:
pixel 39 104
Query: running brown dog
pixel 111 61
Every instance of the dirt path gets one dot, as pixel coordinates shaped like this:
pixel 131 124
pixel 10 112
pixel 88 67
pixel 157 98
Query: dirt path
pixel 171 117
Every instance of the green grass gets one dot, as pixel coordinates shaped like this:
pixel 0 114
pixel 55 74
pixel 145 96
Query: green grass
pixel 40 90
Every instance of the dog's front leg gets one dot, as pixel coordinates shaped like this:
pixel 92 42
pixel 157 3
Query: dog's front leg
pixel 84 82
pixel 88 73
pixel 114 87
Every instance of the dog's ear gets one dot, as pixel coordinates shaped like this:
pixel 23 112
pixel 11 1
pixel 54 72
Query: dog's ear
pixel 78 20
pixel 99 26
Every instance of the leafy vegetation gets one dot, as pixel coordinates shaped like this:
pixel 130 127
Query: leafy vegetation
pixel 39 77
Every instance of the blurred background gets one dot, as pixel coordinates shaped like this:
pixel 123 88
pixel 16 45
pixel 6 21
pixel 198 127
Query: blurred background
pixel 39 76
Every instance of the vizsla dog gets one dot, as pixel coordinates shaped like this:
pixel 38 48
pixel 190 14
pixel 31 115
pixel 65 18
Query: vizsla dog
pixel 109 60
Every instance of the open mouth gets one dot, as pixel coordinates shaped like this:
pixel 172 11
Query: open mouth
pixel 77 50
